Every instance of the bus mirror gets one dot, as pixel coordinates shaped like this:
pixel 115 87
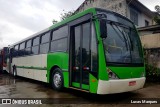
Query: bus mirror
pixel 103 28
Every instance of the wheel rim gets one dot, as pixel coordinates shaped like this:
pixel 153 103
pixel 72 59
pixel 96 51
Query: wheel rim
pixel 57 80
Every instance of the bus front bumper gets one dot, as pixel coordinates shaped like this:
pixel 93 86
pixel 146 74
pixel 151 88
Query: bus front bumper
pixel 120 86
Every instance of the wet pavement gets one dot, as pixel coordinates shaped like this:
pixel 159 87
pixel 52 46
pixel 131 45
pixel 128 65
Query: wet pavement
pixel 19 87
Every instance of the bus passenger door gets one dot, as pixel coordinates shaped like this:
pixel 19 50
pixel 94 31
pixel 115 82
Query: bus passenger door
pixel 80 56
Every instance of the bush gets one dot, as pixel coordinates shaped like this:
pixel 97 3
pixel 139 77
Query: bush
pixel 152 72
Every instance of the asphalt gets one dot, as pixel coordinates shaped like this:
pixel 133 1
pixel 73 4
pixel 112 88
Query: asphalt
pixel 17 88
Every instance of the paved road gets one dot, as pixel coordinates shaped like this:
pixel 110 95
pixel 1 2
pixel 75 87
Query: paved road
pixel 11 87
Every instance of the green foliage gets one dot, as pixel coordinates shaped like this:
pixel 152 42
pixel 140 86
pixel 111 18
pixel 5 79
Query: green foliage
pixel 157 17
pixel 65 15
pixel 54 21
pixel 152 72
pixel 157 8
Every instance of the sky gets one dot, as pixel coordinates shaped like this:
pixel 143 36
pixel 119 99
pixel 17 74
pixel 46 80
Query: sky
pixel 22 18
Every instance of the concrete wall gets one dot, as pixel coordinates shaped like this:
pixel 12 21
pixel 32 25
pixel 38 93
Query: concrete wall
pixel 151 41
pixel 142 18
pixel 119 6
pixel 152 48
pixel 143 33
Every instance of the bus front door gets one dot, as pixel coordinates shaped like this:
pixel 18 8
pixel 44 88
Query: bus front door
pixel 80 58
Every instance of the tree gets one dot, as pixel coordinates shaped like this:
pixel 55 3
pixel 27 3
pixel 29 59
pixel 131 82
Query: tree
pixel 54 21
pixel 63 16
pixel 157 8
pixel 67 14
pixel 157 17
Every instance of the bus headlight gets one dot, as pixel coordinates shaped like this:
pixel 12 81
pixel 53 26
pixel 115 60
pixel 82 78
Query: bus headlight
pixel 111 75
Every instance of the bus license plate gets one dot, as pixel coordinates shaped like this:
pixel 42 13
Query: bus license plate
pixel 132 83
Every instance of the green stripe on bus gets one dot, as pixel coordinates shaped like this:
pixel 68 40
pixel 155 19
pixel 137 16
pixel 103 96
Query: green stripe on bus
pixel 84 86
pixel 37 68
pixel 77 85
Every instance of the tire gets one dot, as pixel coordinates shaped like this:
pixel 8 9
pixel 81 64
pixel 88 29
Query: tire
pixel 57 79
pixel 14 72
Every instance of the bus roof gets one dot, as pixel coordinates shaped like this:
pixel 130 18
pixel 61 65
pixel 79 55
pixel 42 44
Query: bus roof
pixel 90 10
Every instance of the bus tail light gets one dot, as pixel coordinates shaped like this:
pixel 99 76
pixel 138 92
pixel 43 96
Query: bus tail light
pixel 112 75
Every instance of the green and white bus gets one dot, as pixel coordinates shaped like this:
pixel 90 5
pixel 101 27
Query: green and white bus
pixel 96 51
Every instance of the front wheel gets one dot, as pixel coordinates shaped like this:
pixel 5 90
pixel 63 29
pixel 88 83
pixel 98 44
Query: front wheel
pixel 57 79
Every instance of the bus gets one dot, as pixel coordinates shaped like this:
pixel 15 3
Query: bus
pixel 96 51
pixel 4 52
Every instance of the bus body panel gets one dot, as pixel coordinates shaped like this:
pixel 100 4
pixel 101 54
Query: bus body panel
pixel 40 67
pixel 119 86
pixel 33 67
pixel 128 72
pixel 93 84
pixel 58 59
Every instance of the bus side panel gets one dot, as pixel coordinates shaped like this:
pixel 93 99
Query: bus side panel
pixel 60 60
pixel 93 84
pixel 103 75
pixel 33 67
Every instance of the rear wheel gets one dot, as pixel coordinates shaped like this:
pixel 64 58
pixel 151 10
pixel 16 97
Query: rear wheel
pixel 57 79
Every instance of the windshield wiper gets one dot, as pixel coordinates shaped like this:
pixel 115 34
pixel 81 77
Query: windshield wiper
pixel 125 40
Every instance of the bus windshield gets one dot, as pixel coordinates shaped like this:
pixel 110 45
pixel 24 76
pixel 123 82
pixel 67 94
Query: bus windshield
pixel 122 45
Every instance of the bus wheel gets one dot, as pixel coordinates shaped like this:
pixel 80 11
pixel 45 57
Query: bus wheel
pixel 14 72
pixel 57 79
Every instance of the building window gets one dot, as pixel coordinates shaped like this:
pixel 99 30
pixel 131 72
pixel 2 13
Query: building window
pixel 120 5
pixel 146 23
pixel 134 16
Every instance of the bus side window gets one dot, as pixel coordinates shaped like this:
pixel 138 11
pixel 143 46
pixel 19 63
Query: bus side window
pixel 28 47
pixel 44 46
pixel 35 47
pixel 21 49
pixel 16 50
pixel 59 39
pixel 11 54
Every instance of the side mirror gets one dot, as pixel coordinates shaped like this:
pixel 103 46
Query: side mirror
pixel 103 28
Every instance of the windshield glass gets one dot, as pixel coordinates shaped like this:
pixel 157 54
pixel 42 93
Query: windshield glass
pixel 122 44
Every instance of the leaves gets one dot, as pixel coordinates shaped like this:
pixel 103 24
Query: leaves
pixel 54 21
pixel 157 8
pixel 66 14
pixel 157 17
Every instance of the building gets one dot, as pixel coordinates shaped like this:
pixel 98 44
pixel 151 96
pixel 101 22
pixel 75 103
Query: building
pixel 132 9
pixel 149 30
pixel 150 37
